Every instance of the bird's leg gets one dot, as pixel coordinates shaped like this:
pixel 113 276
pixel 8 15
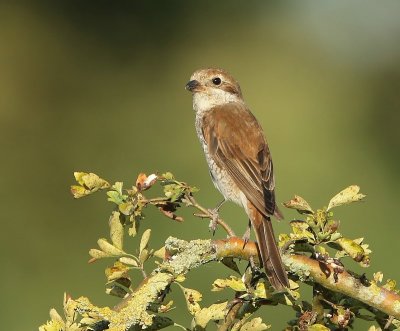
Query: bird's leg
pixel 214 216
pixel 246 236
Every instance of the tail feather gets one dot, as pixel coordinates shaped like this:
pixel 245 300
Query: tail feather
pixel 269 251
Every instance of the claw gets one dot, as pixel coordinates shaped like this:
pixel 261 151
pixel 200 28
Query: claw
pixel 246 236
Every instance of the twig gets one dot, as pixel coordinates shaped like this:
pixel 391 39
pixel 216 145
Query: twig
pixel 207 214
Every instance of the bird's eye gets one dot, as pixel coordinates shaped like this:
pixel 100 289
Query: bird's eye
pixel 216 80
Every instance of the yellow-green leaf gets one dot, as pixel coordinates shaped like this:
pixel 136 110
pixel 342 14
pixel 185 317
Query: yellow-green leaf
pixel 98 254
pixel 129 261
pixel 317 327
pixel 144 255
pixel 116 230
pixel 89 183
pixel 256 324
pixel 108 248
pixel 348 195
pixel 126 208
pixel 160 253
pixel 233 282
pixel 192 299
pixel 352 248
pixel 118 270
pixel 145 240
pixel 299 204
pixel 215 312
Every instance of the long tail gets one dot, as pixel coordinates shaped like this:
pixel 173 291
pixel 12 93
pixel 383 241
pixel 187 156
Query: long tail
pixel 269 251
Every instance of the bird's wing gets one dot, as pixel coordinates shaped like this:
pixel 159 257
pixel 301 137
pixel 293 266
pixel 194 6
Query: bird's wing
pixel 236 143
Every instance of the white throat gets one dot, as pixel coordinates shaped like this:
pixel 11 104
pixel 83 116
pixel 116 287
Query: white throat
pixel 203 101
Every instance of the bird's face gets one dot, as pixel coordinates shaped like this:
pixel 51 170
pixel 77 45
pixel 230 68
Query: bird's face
pixel 213 87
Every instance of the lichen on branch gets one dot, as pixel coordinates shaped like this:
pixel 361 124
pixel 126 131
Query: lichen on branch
pixel 339 295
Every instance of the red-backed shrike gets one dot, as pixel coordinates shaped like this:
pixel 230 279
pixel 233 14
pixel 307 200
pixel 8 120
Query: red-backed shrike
pixel 238 158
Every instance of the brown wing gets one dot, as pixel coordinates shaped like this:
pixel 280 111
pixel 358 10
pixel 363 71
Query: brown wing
pixel 236 142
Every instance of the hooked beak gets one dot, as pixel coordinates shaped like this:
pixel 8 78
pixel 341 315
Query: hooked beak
pixel 192 85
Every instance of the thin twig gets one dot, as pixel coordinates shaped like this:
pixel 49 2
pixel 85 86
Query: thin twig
pixel 207 214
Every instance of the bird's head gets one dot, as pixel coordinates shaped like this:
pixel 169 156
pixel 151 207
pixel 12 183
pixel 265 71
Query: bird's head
pixel 212 87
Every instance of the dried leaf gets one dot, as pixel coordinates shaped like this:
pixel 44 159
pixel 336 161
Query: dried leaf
pixel 348 195
pixel 256 324
pixel 143 182
pixel 299 204
pixel 116 230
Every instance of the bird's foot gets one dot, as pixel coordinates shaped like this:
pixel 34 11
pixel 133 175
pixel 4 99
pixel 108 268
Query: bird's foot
pixel 215 217
pixel 214 220
pixel 246 236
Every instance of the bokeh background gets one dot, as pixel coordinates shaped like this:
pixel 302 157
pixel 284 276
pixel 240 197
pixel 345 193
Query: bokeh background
pixel 99 86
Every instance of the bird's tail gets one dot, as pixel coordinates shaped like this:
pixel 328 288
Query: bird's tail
pixel 269 250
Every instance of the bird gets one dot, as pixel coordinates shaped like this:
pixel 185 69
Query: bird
pixel 239 160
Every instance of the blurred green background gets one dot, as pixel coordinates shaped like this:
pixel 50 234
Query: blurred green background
pixel 99 86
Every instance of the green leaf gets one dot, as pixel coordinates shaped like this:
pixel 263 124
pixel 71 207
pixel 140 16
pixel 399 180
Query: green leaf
pixel 116 197
pixel 348 195
pixel 118 187
pixel 167 175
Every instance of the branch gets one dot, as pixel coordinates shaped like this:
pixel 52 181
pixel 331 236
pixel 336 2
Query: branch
pixel 182 256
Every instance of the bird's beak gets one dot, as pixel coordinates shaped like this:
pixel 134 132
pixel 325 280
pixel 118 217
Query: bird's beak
pixel 192 86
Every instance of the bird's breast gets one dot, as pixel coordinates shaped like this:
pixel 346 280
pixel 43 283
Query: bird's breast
pixel 220 177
